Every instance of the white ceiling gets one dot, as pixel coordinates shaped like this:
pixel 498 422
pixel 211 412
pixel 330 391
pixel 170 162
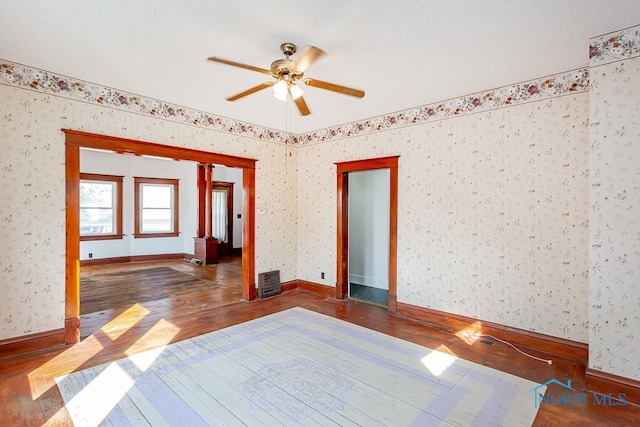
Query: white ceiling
pixel 403 53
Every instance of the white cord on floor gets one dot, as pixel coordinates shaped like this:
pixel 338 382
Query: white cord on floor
pixel 514 347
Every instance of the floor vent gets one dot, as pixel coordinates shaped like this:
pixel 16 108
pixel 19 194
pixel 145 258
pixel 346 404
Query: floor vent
pixel 269 284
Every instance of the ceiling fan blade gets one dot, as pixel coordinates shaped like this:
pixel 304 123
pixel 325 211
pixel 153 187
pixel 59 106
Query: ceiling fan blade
pixel 305 60
pixel 250 91
pixel 302 106
pixel 334 87
pixel 237 64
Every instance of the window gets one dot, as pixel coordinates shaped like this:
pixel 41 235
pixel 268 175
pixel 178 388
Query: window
pixel 222 215
pixel 156 207
pixel 219 213
pixel 100 207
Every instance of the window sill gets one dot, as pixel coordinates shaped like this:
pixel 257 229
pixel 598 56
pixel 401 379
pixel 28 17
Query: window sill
pixel 148 235
pixel 102 237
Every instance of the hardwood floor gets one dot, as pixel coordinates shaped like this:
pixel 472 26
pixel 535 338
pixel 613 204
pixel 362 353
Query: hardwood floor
pixel 29 396
pixel 107 291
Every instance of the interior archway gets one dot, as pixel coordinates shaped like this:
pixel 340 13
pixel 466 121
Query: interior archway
pixel 74 140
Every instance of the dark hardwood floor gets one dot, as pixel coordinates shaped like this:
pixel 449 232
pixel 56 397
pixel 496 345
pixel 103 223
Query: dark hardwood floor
pixel 107 291
pixel 29 396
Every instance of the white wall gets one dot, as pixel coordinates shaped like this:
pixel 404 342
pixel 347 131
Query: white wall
pixel 129 166
pixel 369 228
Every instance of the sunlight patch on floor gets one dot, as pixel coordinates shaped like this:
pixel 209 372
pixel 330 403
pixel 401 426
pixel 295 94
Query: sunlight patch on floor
pixel 94 402
pixel 469 334
pixel 439 360
pixel 156 338
pixel 73 358
pixel 129 318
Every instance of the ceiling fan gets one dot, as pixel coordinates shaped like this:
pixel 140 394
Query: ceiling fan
pixel 288 73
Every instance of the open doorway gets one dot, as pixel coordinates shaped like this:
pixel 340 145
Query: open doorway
pixel 344 170
pixel 223 217
pixel 368 226
pixel 76 140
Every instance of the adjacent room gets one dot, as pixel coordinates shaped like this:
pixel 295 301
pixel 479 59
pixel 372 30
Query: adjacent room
pixel 308 213
pixel 157 246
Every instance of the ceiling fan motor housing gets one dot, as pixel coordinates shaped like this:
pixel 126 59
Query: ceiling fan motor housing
pixel 288 49
pixel 282 69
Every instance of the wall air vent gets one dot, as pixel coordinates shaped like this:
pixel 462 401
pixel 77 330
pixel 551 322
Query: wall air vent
pixel 269 284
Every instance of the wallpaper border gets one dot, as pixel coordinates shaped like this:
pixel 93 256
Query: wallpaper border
pixel 37 80
pixel 553 86
pixel 615 46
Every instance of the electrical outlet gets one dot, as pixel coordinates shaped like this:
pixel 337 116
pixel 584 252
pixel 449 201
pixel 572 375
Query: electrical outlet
pixel 322 275
pixel 90 254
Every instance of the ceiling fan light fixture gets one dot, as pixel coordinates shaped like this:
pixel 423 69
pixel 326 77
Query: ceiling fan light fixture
pixel 288 73
pixel 295 91
pixel 280 90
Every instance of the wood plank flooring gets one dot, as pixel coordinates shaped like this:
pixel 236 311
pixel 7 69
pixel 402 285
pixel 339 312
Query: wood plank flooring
pixel 297 367
pixel 29 396
pixel 106 291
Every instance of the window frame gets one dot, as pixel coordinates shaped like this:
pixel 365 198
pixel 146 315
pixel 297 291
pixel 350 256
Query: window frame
pixel 114 179
pixel 138 183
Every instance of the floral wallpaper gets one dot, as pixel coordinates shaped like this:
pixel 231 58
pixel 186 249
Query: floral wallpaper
pixel 292 188
pixel 534 90
pixel 614 193
pixel 517 205
pixel 32 209
pixel 613 47
pixel 68 87
pixel 492 214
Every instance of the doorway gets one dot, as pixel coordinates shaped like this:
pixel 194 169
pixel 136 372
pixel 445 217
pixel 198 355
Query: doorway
pixel 368 225
pixel 344 171
pixel 74 140
pixel 222 212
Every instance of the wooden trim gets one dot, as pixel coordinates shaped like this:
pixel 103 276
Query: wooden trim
pixel 249 291
pixel 117 179
pixel 202 189
pixel 133 258
pixel 392 301
pixel 141 148
pixel 102 237
pixel 554 346
pixel 137 207
pixel 224 248
pixel 311 287
pixel 208 199
pixel 367 164
pixel 72 330
pixel 291 285
pixel 316 288
pixel 342 180
pixel 74 140
pixel 603 382
pixel 32 342
pixel 342 245
pixel 72 242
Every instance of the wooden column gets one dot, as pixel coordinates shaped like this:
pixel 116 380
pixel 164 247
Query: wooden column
pixel 208 195
pixel 206 246
pixel 202 188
